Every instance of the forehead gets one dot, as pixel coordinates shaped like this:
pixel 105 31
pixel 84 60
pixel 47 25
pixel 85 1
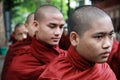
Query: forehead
pixel 102 25
pixel 20 29
pixel 53 16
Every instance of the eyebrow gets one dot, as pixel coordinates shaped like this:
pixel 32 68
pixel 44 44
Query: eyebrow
pixel 56 24
pixel 102 33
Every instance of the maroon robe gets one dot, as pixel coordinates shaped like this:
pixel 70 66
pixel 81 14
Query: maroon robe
pixel 12 38
pixel 114 59
pixel 12 52
pixel 64 42
pixel 31 61
pixel 72 66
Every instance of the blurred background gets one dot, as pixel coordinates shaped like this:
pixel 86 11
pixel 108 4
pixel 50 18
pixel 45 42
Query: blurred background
pixel 15 11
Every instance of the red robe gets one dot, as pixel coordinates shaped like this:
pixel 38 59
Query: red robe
pixel 64 42
pixel 12 52
pixel 72 66
pixel 114 59
pixel 12 38
pixel 31 61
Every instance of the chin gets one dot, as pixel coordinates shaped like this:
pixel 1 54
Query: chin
pixel 53 44
pixel 103 60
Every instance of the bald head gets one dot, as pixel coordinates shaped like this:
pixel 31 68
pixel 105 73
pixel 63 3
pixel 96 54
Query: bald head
pixel 30 18
pixel 18 25
pixel 45 9
pixel 83 17
pixel 20 32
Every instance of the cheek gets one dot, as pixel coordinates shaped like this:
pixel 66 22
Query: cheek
pixel 93 46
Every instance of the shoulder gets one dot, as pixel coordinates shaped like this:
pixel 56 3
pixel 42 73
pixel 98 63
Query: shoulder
pixel 57 66
pixel 104 70
pixel 23 61
pixel 24 57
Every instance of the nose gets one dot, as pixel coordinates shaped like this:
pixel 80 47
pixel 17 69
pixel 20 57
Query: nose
pixel 107 43
pixel 24 36
pixel 58 31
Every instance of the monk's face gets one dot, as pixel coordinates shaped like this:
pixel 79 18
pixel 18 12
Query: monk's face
pixel 21 33
pixel 96 43
pixel 50 28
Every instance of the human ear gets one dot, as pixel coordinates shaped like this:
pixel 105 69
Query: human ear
pixel 74 38
pixel 36 25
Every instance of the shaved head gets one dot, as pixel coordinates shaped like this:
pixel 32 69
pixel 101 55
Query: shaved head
pixel 18 25
pixel 83 17
pixel 42 10
pixel 29 17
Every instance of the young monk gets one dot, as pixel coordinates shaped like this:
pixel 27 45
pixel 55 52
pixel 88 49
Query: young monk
pixel 14 48
pixel 91 37
pixel 20 32
pixel 33 59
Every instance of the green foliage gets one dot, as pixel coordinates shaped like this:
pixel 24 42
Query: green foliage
pixel 61 5
pixel 20 12
pixel 21 8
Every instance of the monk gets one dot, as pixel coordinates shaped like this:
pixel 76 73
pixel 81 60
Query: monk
pixel 91 38
pixel 20 32
pixel 33 59
pixel 14 48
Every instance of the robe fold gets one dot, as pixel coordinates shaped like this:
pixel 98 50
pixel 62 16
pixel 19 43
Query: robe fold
pixel 114 59
pixel 12 38
pixel 31 61
pixel 12 52
pixel 71 66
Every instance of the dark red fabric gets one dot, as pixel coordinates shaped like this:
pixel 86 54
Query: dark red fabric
pixel 12 38
pixel 64 42
pixel 114 59
pixel 12 52
pixel 72 66
pixel 31 61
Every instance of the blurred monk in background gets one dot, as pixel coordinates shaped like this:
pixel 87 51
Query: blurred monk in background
pixel 23 38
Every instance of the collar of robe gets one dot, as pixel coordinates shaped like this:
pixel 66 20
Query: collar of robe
pixel 44 52
pixel 114 50
pixel 77 60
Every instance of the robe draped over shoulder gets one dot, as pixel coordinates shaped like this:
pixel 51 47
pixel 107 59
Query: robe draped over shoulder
pixel 71 66
pixel 31 61
pixel 12 52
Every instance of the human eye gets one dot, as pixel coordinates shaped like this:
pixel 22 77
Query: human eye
pixel 19 34
pixel 25 32
pixel 98 37
pixel 112 34
pixel 51 26
pixel 61 26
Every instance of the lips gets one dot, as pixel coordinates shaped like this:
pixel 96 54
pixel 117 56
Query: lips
pixel 106 54
pixel 55 39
